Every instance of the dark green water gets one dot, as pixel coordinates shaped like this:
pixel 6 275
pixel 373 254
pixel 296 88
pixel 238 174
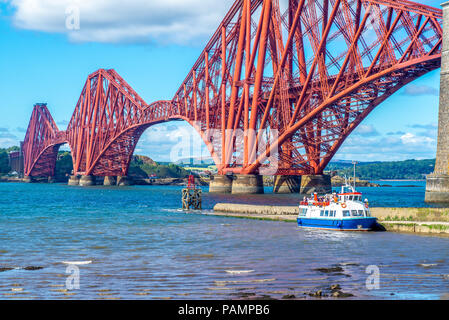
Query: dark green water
pixel 140 246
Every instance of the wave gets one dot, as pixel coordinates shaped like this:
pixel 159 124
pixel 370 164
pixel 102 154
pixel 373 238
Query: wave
pixel 239 271
pixel 427 265
pixel 78 263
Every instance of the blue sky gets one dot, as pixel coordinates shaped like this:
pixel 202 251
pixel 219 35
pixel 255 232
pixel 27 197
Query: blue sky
pixel 152 45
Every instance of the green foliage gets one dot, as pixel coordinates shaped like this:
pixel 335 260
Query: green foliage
pixel 64 166
pixel 4 162
pixel 140 169
pixel 12 149
pixel 409 169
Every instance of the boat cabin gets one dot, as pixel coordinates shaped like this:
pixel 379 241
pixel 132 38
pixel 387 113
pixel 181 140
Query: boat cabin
pixel 355 196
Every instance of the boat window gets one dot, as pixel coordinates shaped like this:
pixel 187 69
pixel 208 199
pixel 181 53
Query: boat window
pixel 333 213
pixel 326 213
pixel 322 213
pixel 368 213
pixel 303 212
pixel 361 213
pixel 354 213
pixel 346 213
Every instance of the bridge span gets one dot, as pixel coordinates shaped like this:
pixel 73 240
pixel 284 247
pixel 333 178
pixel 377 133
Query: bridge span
pixel 276 90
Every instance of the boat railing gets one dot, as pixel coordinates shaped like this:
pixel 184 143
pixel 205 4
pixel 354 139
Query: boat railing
pixel 315 203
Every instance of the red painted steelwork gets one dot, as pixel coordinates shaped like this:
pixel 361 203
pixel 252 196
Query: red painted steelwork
pixel 310 72
pixel 41 144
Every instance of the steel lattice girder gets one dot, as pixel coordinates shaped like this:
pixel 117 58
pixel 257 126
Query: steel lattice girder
pixel 310 72
pixel 41 144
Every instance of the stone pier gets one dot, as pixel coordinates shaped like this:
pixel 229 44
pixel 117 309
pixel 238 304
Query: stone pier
pixel 124 181
pixel 87 181
pixel 110 181
pixel 320 184
pixel 51 179
pixel 437 188
pixel 287 184
pixel 74 181
pixel 220 184
pixel 247 184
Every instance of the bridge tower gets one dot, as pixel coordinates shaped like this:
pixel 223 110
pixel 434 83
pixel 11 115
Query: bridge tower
pixel 437 188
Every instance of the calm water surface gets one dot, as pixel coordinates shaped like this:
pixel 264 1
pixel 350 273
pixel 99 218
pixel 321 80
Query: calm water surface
pixel 142 247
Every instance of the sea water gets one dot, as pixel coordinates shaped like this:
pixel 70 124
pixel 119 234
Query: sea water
pixel 61 242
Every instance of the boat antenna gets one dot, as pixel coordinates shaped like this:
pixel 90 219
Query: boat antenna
pixel 354 163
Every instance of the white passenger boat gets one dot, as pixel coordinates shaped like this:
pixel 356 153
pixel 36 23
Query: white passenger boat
pixel 345 211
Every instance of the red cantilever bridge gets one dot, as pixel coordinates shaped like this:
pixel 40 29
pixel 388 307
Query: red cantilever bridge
pixel 282 87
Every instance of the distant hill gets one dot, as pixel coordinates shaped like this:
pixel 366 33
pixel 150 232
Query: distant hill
pixel 408 169
pixel 145 160
pixel 197 162
pixel 142 167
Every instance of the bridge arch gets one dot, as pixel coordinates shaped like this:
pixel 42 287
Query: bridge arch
pixel 108 164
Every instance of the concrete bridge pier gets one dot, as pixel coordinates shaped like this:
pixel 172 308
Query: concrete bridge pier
pixel 74 181
pixel 320 184
pixel 28 179
pixel 287 184
pixel 437 187
pixel 247 184
pixel 51 179
pixel 123 181
pixel 220 184
pixel 110 181
pixel 87 181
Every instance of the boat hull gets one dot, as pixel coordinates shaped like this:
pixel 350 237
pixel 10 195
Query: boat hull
pixel 361 224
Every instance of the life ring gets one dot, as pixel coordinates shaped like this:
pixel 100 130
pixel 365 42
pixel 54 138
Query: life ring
pixel 343 205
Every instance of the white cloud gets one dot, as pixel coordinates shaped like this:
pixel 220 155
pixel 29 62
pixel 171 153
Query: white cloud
pixel 420 90
pixel 113 21
pixel 162 143
pixel 392 147
pixel 7 138
pixel 8 142
pixel 411 139
pixel 366 130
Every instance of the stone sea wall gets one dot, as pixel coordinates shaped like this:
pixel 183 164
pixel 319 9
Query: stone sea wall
pixel 408 220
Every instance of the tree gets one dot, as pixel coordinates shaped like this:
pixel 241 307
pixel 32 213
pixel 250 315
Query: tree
pixel 4 162
pixel 64 166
